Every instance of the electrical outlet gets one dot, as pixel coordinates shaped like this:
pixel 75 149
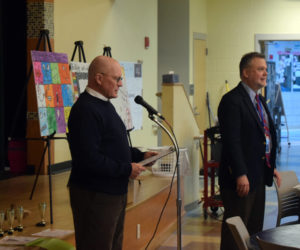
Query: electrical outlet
pixel 138 231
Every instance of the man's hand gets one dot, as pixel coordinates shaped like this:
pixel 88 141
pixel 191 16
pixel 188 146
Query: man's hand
pixel 242 186
pixel 278 177
pixel 149 154
pixel 136 169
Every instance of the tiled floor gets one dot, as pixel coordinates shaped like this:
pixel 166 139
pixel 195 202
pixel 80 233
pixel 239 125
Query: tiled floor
pixel 198 233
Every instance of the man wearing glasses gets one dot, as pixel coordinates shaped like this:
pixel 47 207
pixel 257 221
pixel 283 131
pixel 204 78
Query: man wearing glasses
pixel 102 161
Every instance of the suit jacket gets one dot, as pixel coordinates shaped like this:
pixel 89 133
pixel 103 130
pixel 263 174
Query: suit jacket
pixel 243 141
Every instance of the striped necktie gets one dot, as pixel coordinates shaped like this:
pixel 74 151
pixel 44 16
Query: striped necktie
pixel 266 129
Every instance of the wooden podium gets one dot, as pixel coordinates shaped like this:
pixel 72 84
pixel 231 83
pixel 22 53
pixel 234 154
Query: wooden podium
pixel 146 200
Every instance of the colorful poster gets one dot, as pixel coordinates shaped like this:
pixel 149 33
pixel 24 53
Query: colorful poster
pixel 54 90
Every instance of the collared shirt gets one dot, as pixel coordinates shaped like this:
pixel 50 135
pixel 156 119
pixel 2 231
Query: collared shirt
pixel 96 94
pixel 252 95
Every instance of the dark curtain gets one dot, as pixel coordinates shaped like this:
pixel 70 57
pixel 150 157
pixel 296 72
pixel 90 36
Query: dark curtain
pixel 13 73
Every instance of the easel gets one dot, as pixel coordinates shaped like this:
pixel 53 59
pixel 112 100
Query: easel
pixel 79 45
pixel 44 35
pixel 279 100
pixel 47 140
pixel 107 51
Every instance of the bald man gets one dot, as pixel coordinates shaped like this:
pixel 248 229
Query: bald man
pixel 102 161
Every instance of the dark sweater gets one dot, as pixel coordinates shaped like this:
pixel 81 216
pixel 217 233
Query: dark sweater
pixel 101 156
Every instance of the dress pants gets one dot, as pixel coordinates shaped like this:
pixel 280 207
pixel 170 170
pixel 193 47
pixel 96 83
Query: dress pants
pixel 98 219
pixel 251 209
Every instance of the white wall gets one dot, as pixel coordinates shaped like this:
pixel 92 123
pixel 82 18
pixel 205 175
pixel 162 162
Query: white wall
pixel 122 25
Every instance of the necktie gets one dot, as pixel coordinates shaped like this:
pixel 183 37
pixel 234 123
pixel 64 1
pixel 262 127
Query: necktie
pixel 266 129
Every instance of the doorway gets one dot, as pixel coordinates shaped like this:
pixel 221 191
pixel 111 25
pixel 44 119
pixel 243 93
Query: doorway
pixel 284 53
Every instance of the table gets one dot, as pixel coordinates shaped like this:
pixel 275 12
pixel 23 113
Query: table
pixel 288 235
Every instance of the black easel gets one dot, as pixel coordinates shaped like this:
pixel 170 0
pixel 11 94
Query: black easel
pixel 44 35
pixel 79 45
pixel 107 51
pixel 47 146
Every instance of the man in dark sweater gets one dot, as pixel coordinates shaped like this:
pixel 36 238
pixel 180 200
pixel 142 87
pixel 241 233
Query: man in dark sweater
pixel 102 161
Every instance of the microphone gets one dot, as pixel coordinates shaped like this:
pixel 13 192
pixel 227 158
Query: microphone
pixel 139 100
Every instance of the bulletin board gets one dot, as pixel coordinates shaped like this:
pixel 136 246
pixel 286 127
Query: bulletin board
pixel 54 90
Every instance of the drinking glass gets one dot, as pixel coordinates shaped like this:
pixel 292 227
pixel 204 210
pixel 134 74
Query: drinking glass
pixel 10 219
pixel 42 208
pixel 20 214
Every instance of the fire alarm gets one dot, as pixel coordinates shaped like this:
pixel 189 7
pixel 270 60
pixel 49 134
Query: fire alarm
pixel 147 42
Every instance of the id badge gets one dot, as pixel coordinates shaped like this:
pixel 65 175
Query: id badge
pixel 268 148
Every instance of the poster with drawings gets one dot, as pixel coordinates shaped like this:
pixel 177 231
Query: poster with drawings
pixel 122 105
pixel 54 90
pixel 79 72
pixel 134 83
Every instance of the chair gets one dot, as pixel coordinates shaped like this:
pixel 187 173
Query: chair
pixel 239 231
pixel 266 245
pixel 288 200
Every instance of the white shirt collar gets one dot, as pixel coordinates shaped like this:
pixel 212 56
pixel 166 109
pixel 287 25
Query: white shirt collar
pixel 96 94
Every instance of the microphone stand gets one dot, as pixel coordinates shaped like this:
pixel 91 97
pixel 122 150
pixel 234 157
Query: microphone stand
pixel 178 200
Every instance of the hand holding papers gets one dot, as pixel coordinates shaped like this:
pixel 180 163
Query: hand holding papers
pixel 160 154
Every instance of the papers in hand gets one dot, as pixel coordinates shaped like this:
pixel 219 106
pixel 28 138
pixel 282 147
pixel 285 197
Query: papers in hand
pixel 160 154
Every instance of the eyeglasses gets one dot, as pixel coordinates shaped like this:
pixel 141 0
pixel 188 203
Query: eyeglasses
pixel 114 77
